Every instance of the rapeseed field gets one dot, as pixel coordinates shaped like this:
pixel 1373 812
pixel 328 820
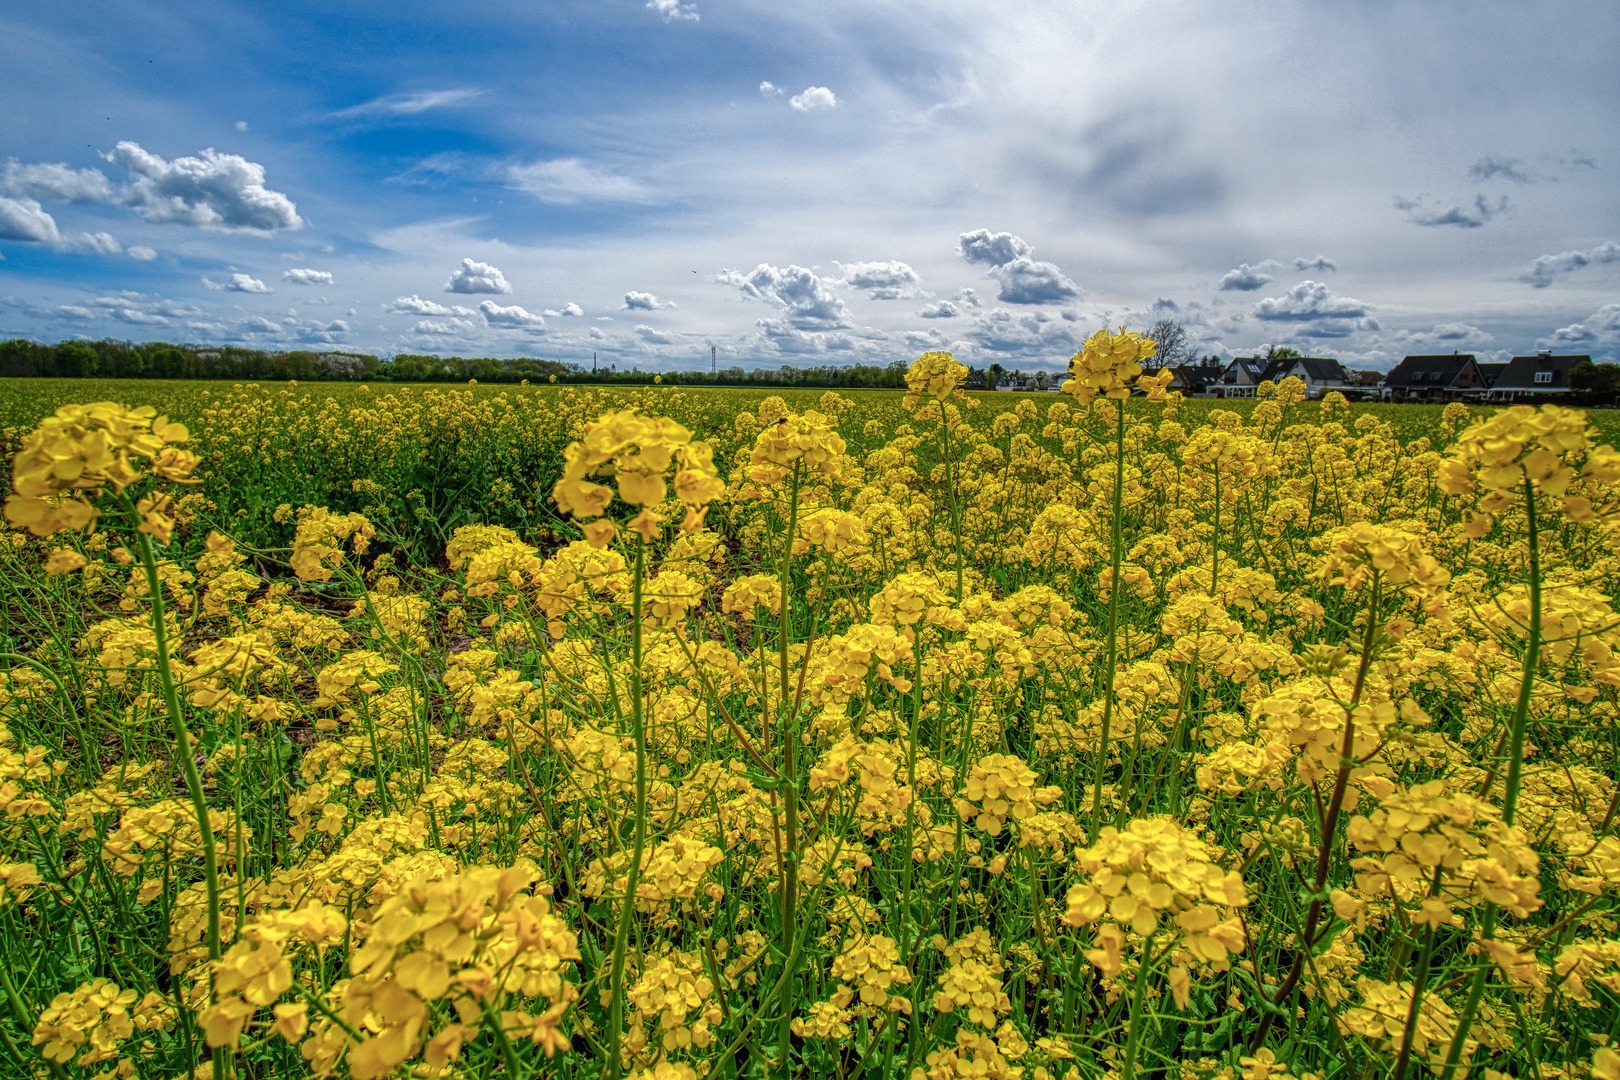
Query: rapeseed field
pixel 539 731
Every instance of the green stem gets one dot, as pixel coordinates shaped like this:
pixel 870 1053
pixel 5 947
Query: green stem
pixel 188 763
pixel 627 907
pixel 1117 540
pixel 790 793
pixel 1510 801
pixel 1134 1037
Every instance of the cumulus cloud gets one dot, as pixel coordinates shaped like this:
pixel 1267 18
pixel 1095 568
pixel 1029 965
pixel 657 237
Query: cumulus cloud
pixel 477 277
pixel 565 181
pixel 1029 281
pixel 1454 335
pixel 433 328
pixel 1318 310
pixel 991 249
pixel 26 220
pixel 415 305
pixel 141 253
pixel 244 283
pixel 409 104
pixel 1466 215
pixel 571 308
pixel 495 315
pixel 1549 268
pixel 969 298
pixel 643 301
pixel 942 309
pixel 99 242
pixel 1495 165
pixel 306 276
pixel 673 9
pixel 893 280
pixel 1598 333
pixel 653 336
pixel 1309 300
pixel 1245 278
pixel 803 296
pixel 1033 334
pixel 212 191
pixel 813 98
pixel 1024 280
pixel 1319 264
pixel 769 90
pixel 58 183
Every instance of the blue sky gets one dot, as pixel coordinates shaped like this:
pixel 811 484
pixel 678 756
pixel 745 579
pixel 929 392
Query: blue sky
pixel 823 183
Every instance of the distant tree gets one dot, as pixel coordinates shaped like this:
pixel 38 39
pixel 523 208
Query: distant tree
pixel 77 360
pixel 1282 352
pixel 1171 337
pixel 1599 382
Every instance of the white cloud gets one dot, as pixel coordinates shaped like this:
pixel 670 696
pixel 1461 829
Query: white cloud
pixel 215 191
pixel 1318 310
pixel 141 253
pixel 943 309
pixel 257 324
pixel 1452 335
pixel 809 304
pixel 415 305
pixel 477 277
pixel 769 90
pixel 1464 215
pixel 241 125
pixel 139 318
pixel 1319 264
pixel 892 280
pixel 673 9
pixel 1034 334
pixel 495 315
pixel 58 183
pixel 409 104
pixel 1597 334
pixel 969 297
pixel 813 98
pixel 99 242
pixel 74 311
pixel 991 249
pixel 572 308
pixel 1024 280
pixel 566 181
pixel 306 276
pixel 25 219
pixel 643 301
pixel 243 283
pixel 442 329
pixel 1245 278
pixel 653 336
pixel 1549 268
pixel 1030 281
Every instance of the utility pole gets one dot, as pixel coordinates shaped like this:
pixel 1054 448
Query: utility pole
pixel 713 364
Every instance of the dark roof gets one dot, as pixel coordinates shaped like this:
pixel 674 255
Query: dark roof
pixel 1193 374
pixel 1254 366
pixel 1431 372
pixel 1491 372
pixel 1320 369
pixel 1521 372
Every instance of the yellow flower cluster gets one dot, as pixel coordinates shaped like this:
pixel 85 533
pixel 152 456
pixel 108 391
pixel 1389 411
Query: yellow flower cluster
pixel 1111 364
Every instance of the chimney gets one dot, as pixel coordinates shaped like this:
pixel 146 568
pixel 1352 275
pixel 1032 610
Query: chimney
pixel 1545 354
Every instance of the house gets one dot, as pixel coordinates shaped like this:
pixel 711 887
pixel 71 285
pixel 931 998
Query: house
pixel 1527 378
pixel 1319 374
pixel 1241 377
pixel 1435 378
pixel 1491 372
pixel 1366 378
pixel 1196 378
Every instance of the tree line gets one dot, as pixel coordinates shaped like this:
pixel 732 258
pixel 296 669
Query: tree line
pixel 113 359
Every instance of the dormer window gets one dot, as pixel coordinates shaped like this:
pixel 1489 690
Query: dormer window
pixel 1544 376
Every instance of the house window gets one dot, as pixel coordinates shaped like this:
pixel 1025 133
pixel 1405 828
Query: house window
pixel 1544 376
